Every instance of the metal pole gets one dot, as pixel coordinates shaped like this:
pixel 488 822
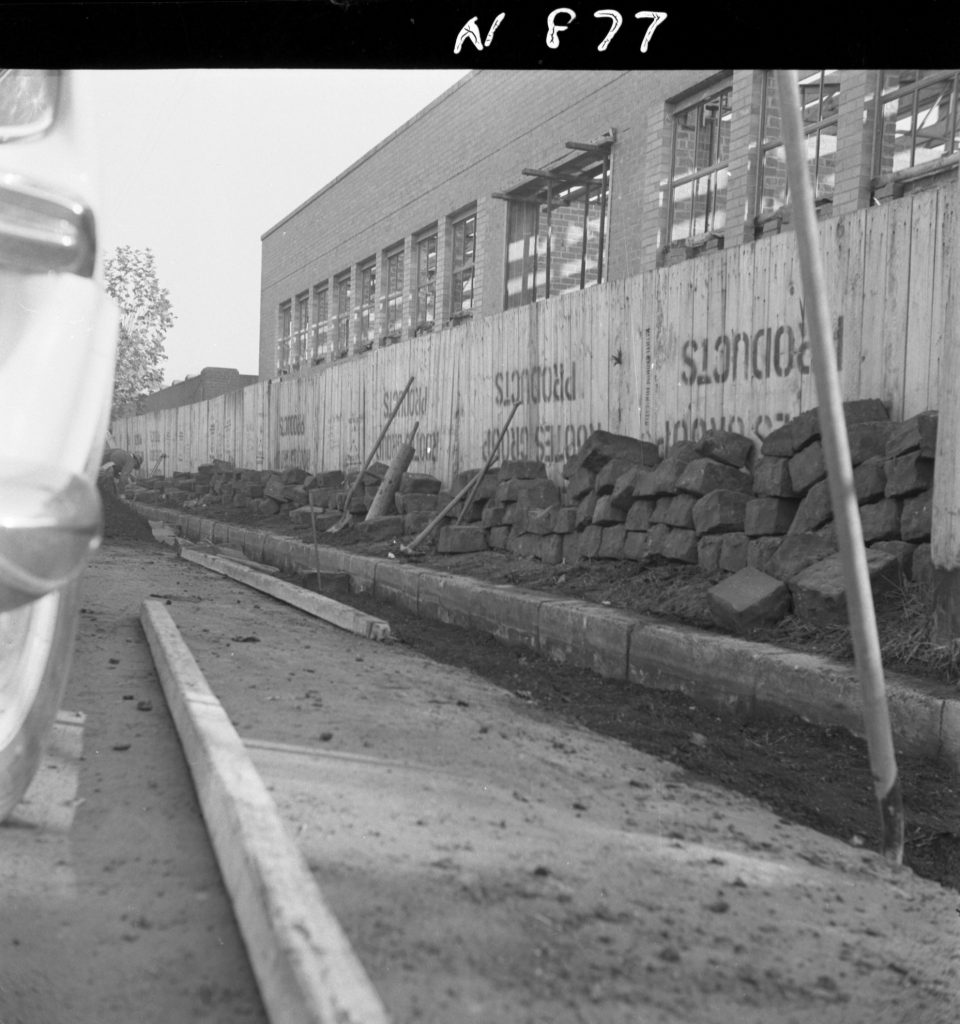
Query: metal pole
pixel 833 430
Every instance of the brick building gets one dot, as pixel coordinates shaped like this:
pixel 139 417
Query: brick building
pixel 514 186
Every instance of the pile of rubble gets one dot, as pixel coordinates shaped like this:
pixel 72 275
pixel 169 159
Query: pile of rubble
pixel 764 519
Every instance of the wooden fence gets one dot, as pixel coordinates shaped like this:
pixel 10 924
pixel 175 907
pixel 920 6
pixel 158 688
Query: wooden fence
pixel 718 341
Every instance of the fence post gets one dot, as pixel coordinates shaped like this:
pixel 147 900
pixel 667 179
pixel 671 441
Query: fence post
pixel 945 531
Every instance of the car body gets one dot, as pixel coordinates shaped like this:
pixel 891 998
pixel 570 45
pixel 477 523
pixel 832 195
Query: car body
pixel 58 335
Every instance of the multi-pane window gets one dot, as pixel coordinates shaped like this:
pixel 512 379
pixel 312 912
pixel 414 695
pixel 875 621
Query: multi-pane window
pixel 300 340
pixel 463 257
pixel 284 332
pixel 342 346
pixel 820 106
pixel 367 275
pixel 699 172
pixel 916 119
pixel 555 231
pixel 393 300
pixel 426 280
pixel 321 315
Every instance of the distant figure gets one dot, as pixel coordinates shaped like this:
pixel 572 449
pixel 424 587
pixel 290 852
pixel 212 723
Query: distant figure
pixel 123 464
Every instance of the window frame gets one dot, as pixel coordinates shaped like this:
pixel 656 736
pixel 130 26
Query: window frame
pixel 716 91
pixel 776 142
pixel 321 316
pixel 461 264
pixel 367 316
pixel 341 339
pixel 425 295
pixel 301 332
pixel 284 334
pixel 393 293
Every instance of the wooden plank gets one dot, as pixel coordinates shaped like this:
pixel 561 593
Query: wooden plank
pixel 305 967
pixel 922 340
pixel 314 604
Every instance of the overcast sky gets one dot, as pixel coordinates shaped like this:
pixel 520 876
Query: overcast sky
pixel 197 164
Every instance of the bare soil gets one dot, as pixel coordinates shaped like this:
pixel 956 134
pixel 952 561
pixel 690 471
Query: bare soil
pixel 808 775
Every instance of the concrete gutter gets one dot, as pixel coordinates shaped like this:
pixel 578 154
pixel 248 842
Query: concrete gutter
pixel 619 645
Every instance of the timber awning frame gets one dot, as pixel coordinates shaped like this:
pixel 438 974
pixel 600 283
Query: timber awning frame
pixel 564 185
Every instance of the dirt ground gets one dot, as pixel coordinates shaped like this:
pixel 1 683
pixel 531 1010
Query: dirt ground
pixel 812 776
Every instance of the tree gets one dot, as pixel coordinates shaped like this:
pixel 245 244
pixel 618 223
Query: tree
pixel 145 317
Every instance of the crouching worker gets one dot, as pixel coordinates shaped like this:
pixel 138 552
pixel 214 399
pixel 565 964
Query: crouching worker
pixel 117 468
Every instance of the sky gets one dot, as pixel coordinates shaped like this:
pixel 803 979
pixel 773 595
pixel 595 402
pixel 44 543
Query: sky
pixel 196 164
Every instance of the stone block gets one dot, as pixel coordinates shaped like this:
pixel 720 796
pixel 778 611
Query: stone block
pixel 323 497
pixel 814 510
pixel 565 520
pixel 497 537
pixel 796 552
pixel 585 509
pixel 571 548
pixel 473 513
pixel 916 519
pixel 748 599
pixel 679 511
pixel 586 636
pixel 415 522
pixel 581 483
pixel 266 506
pixel 727 447
pixel 680 546
pixel 539 520
pixel 415 501
pixel 663 479
pixel 621 495
pixel 870 480
pixel 418 483
pixel 818 591
pixel 922 567
pixel 771 477
pixel 868 440
pixel 333 478
pixel 807 467
pixel 611 472
pixel 702 476
pixel 778 443
pixel 533 493
pixel 636 545
pixel 708 552
pixel 296 494
pixel 806 427
pixel 493 515
pixel 380 528
pixel 760 550
pixel 903 552
pixel 639 515
pixel 767 517
pixel 908 474
pixel 602 446
pixel 880 520
pixel 657 537
pixel 551 549
pixel 917 434
pixel 294 475
pixel 661 509
pixel 525 545
pixel 733 551
pixel 519 469
pixel 720 511
pixel 590 539
pixel 604 514
pixel 457 540
pixel 612 542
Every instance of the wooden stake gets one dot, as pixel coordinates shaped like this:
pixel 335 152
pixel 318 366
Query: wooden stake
pixel 476 483
pixel 391 481
pixel 833 431
pixel 373 451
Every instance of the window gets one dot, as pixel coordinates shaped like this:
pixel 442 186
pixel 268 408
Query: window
pixel 284 331
pixel 464 254
pixel 820 105
pixel 556 228
pixel 321 315
pixel 299 349
pixel 916 119
pixel 368 289
pixel 426 281
pixel 342 345
pixel 698 176
pixel 393 307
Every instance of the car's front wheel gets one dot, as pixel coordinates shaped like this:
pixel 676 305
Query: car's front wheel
pixel 36 650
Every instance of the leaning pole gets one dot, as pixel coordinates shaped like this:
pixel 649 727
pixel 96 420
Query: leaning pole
pixel 833 430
